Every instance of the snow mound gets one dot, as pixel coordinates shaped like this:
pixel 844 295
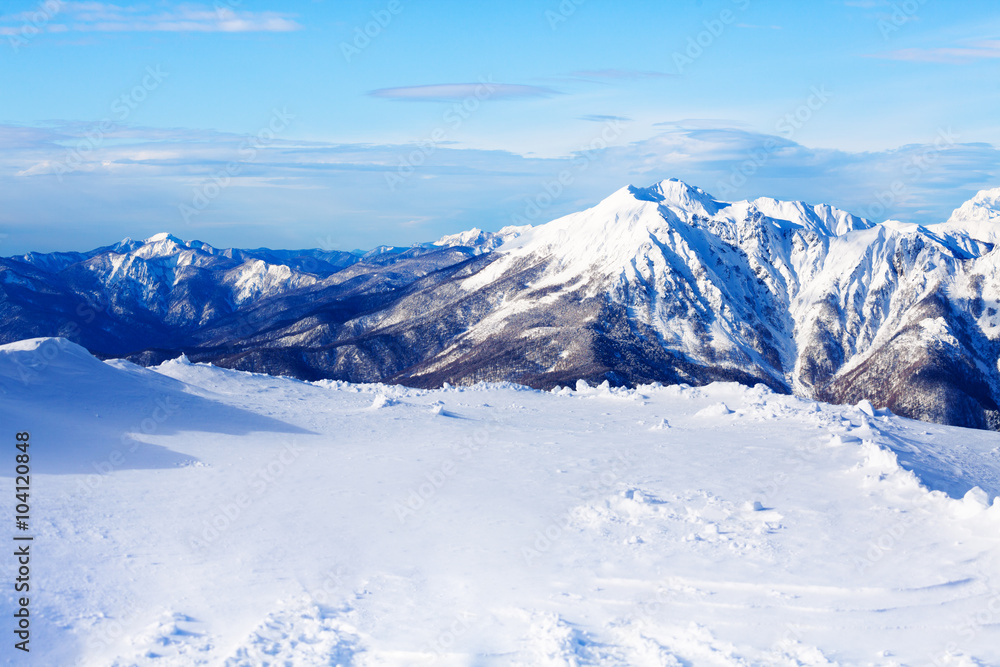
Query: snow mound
pixel 382 401
pixel 715 410
pixel 40 354
pixel 103 417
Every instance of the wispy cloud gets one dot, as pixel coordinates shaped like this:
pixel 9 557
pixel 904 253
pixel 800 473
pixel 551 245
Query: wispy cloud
pixel 618 74
pixel 459 91
pixel 889 16
pixel 685 124
pixel 105 17
pixel 980 50
pixel 602 118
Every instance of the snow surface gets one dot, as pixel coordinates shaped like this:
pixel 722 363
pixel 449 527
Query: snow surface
pixel 191 515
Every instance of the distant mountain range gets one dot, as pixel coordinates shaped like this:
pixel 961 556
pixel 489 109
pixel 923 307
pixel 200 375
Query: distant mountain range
pixel 663 284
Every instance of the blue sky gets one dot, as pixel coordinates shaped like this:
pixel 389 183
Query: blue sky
pixel 351 124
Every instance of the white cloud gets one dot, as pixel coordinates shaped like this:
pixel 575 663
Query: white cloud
pixel 980 50
pixel 106 17
pixel 618 74
pixel 604 118
pixel 751 26
pixel 461 91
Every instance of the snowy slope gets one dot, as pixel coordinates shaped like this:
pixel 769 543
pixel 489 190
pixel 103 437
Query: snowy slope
pixel 191 515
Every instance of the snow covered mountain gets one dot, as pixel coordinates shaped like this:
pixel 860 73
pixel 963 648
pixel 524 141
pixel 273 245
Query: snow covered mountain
pixel 660 284
pixel 807 299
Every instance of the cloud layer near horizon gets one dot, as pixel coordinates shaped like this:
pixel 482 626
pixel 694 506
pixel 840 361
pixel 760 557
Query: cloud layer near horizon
pixel 69 187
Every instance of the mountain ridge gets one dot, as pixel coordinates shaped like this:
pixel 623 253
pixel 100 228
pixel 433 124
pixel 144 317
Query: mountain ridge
pixel 663 283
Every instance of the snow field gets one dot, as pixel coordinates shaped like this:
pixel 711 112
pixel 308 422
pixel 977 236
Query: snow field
pixel 192 515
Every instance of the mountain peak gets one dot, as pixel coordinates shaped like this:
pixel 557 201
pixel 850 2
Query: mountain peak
pixel 984 206
pixel 990 194
pixel 674 186
pixel 677 193
pixel 163 236
pixel 978 218
pixel 160 245
pixel 823 219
